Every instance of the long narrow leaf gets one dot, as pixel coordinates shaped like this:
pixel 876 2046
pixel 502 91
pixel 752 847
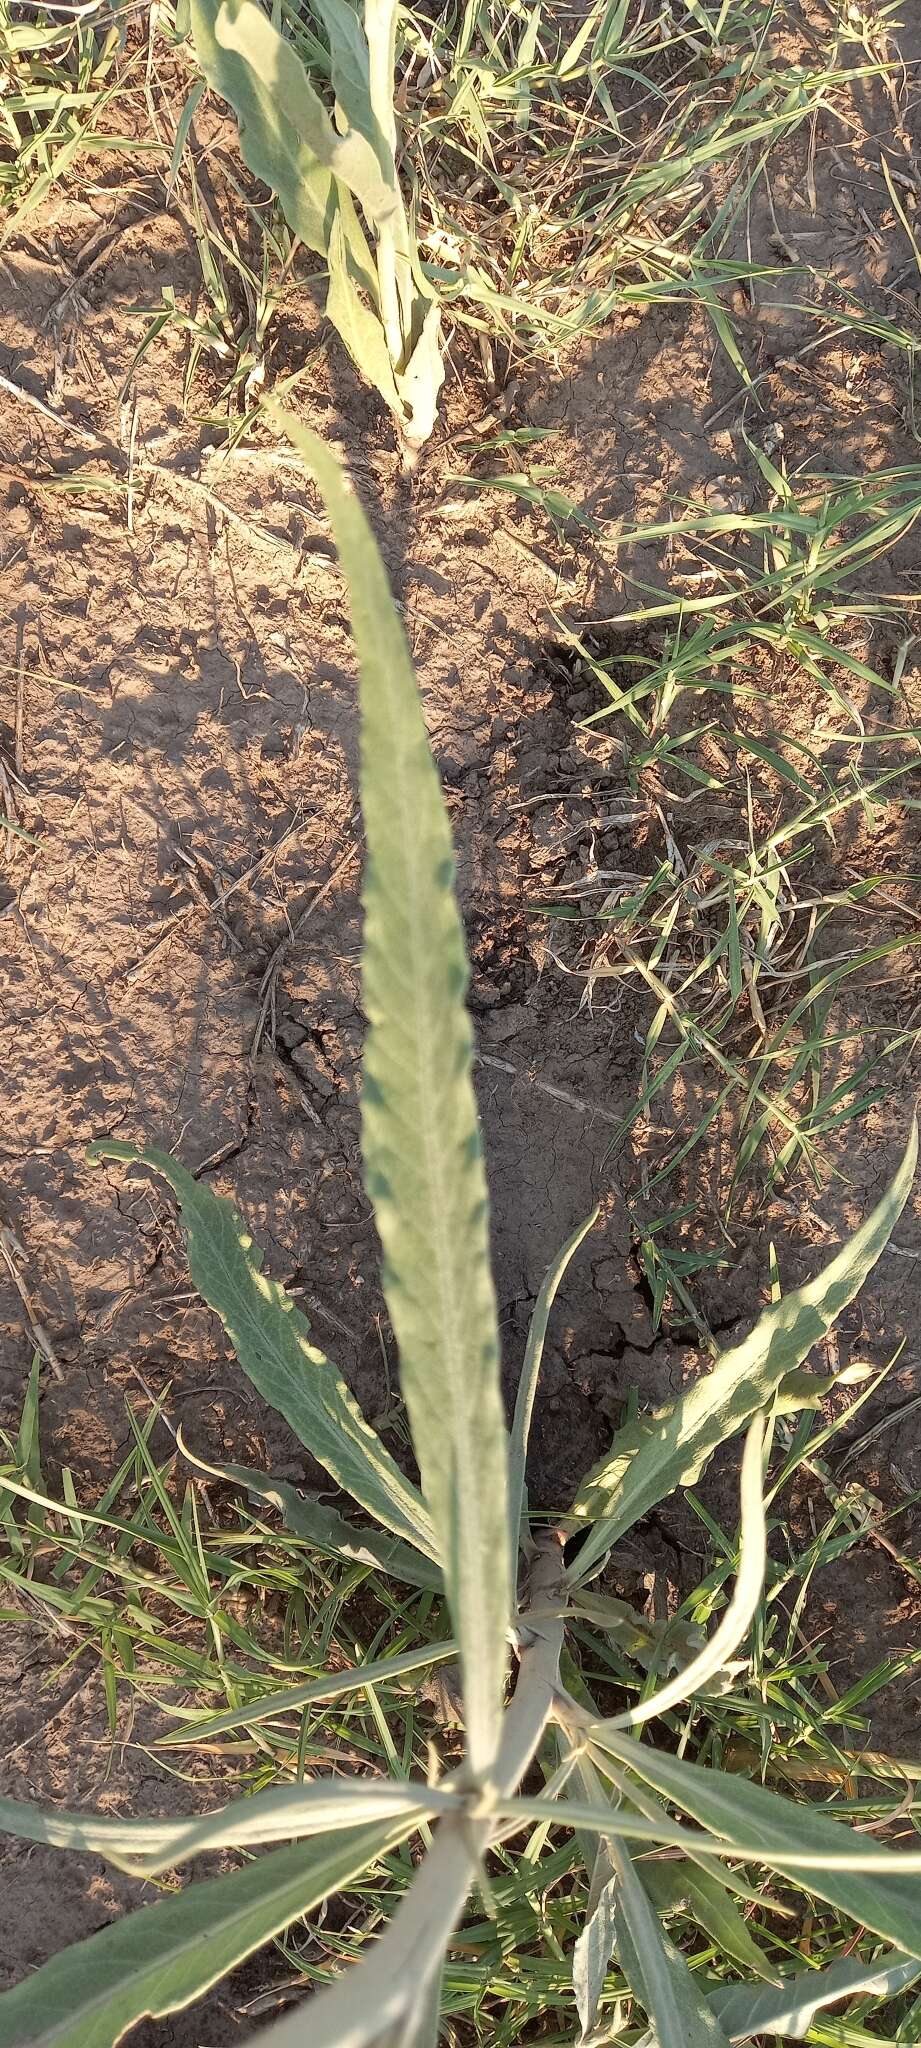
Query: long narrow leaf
pixel 283 1813
pixel 674 1886
pixel 155 1961
pixel 335 1686
pixel 725 1640
pixel 790 2008
pixel 423 1156
pixel 591 1958
pixel 310 195
pixel 324 1529
pixel 530 1372
pixel 649 1458
pixel 271 1339
pixel 655 1969
pixel 874 1890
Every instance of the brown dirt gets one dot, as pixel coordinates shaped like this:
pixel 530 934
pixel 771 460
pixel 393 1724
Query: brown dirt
pixel 184 675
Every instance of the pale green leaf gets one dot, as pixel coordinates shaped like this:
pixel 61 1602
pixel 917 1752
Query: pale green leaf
pixel 805 1846
pixel 423 1156
pixel 359 327
pixel 714 1657
pixel 324 1529
pixel 530 1372
pixel 381 35
pixel 351 78
pixel 282 1813
pixel 241 27
pixel 790 2008
pixel 157 1960
pixel 271 1339
pixel 652 1456
pixel 679 1886
pixel 310 195
pixel 591 1958
pixel 655 1969
pixel 422 2028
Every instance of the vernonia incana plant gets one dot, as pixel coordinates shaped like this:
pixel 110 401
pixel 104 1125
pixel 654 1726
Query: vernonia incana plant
pixel 540 1756
pixel 378 299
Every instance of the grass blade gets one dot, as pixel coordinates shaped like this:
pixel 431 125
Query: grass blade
pixel 292 1698
pixel 527 1385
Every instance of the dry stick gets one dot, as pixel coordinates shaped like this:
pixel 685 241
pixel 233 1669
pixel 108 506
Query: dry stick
pixel 270 977
pixel 485 1059
pixel 742 397
pixel 388 1988
pixel 58 419
pixel 213 905
pixel 261 536
pixel 17 728
pixel 11 1250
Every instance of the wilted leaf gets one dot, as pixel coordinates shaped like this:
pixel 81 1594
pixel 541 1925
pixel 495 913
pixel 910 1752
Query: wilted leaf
pixel 530 1373
pixel 359 327
pixel 145 1848
pixel 310 195
pixel 422 379
pixel 241 27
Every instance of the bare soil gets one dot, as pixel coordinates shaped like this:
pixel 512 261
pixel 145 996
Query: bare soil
pixel 177 706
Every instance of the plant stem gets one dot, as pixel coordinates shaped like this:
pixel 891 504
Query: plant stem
pixel 380 2000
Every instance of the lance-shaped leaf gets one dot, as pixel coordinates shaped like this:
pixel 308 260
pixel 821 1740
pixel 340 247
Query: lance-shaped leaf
pixel 790 2008
pixel 423 1157
pixel 686 1886
pixel 870 1883
pixel 649 1458
pixel 271 1339
pixel 275 151
pixel 145 1848
pixel 323 1528
pixel 655 1969
pixel 159 1959
pixel 242 28
pixel 591 1959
